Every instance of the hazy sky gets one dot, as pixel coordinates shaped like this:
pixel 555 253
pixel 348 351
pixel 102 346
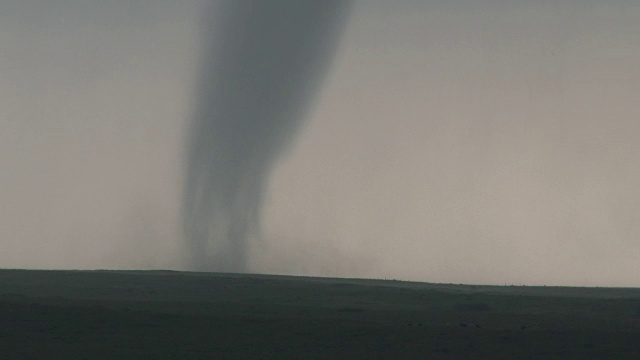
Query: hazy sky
pixel 484 141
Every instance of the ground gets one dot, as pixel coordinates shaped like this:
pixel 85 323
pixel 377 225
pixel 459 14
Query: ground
pixel 180 315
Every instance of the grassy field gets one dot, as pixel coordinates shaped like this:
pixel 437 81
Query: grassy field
pixel 179 315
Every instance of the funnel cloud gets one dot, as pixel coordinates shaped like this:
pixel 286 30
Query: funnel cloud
pixel 264 62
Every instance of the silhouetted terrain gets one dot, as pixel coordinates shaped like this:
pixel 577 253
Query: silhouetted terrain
pixel 176 315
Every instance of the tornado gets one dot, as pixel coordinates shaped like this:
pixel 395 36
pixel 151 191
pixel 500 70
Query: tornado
pixel 264 62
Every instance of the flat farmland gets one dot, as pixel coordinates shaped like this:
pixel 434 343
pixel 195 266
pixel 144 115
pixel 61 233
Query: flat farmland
pixel 186 315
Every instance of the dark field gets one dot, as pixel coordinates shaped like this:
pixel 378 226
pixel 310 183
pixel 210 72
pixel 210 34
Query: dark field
pixel 176 315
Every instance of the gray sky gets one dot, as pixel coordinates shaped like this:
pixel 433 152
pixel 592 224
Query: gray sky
pixel 92 100
pixel 485 141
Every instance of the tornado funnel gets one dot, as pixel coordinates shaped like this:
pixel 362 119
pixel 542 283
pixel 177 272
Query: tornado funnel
pixel 263 63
